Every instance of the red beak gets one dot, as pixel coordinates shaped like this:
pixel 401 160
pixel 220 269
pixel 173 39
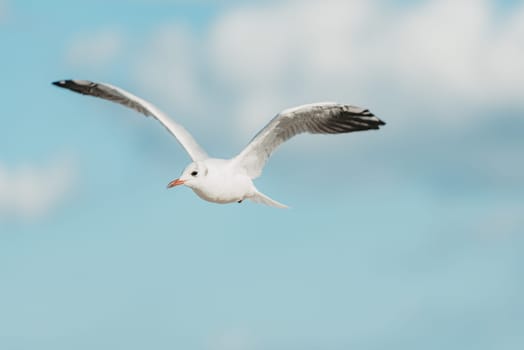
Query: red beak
pixel 175 182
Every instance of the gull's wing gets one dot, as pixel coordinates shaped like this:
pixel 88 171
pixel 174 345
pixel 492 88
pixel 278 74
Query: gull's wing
pixel 317 118
pixel 112 93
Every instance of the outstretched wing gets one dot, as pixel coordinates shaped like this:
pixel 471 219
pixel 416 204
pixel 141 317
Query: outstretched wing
pixel 317 118
pixel 115 94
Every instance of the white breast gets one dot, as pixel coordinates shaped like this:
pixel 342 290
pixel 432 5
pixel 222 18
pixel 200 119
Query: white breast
pixel 224 183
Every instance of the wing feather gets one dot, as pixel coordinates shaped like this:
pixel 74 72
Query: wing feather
pixel 118 95
pixel 318 118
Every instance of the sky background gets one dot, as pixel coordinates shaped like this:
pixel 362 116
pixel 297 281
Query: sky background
pixel 410 237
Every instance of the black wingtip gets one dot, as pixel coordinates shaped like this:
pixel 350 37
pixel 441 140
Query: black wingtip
pixel 60 83
pixel 380 122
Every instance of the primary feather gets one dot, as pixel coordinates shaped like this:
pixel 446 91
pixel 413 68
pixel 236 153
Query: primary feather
pixel 317 118
pixel 118 95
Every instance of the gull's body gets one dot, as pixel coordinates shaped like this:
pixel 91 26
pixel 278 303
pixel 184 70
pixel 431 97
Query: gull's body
pixel 231 180
pixel 224 182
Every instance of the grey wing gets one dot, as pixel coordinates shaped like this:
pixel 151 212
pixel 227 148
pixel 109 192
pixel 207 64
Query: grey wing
pixel 115 94
pixel 318 118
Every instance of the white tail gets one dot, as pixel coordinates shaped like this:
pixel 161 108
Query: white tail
pixel 262 198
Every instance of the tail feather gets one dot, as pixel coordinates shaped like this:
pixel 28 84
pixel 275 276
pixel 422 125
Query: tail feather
pixel 262 198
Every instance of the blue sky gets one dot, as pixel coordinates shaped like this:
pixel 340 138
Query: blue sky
pixel 409 237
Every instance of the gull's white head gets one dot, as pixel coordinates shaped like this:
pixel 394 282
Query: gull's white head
pixel 192 175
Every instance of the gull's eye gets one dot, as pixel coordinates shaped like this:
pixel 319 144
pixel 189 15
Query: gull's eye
pixel 194 173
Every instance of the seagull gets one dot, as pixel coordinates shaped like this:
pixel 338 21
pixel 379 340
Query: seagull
pixel 231 180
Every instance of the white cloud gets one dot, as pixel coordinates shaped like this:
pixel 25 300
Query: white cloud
pixel 32 191
pixel 272 44
pixel 263 57
pixel 95 50
pixel 460 49
pixel 170 68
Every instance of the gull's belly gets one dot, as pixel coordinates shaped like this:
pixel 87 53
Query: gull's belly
pixel 226 190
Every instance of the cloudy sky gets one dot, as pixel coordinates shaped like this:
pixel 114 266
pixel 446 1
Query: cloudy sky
pixel 409 237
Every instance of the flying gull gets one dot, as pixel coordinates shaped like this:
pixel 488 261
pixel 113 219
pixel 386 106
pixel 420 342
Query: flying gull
pixel 231 180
